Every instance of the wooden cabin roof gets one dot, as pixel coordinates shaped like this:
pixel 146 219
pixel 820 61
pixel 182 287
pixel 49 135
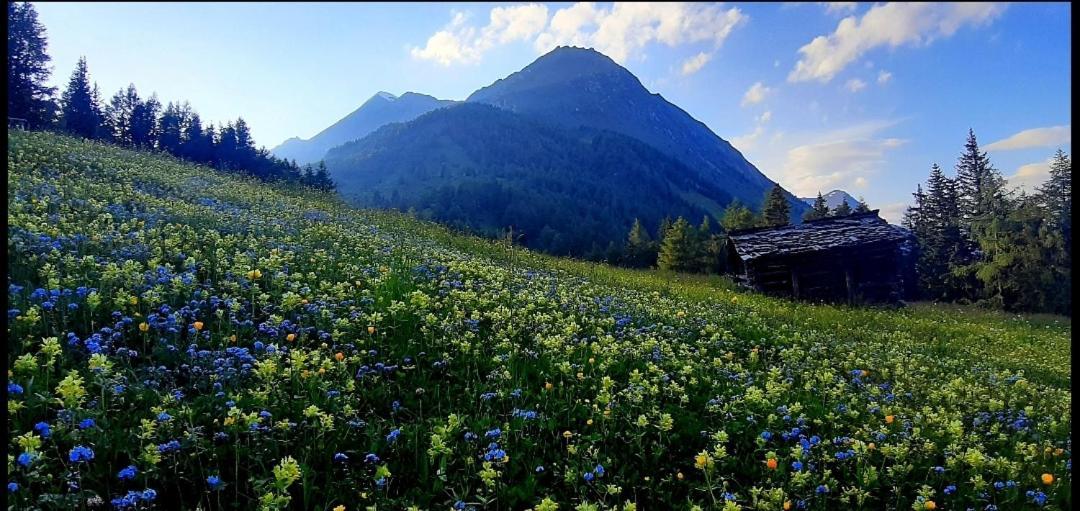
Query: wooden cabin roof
pixel 815 235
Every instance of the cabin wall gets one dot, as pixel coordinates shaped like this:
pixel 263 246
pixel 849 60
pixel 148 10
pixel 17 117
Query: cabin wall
pixel 865 274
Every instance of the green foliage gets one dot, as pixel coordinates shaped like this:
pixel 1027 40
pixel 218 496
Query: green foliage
pixel 842 209
pixel 738 216
pixel 640 250
pixel 680 249
pixel 819 210
pixel 776 211
pixel 29 96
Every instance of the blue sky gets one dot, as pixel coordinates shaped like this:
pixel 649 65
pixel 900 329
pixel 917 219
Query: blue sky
pixel 862 97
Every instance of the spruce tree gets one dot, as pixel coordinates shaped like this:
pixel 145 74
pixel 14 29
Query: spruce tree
pixel 738 216
pixel 776 210
pixel 639 251
pixel 1056 194
pixel 979 185
pixel 942 250
pixel 144 126
pixel 322 177
pixel 842 209
pixel 80 115
pixel 862 207
pixel 120 114
pixel 29 97
pixel 819 209
pixel 169 132
pixel 677 247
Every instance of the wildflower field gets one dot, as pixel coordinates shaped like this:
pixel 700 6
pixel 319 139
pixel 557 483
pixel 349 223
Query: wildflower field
pixel 182 339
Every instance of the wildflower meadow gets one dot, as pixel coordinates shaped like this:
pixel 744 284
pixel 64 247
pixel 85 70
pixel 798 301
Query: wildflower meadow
pixel 179 338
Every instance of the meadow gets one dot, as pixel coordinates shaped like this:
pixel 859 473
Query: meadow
pixel 179 338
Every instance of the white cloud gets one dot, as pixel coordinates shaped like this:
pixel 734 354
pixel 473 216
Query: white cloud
pixel 695 63
pixel 1029 176
pixel 840 7
pixel 855 85
pixel 883 77
pixel 747 142
pixel 625 28
pixel 1037 137
pixel 892 212
pixel 892 25
pixel 765 117
pixel 835 164
pixel 459 42
pixel 755 94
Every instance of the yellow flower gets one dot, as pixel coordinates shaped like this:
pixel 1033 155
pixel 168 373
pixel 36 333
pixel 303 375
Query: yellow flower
pixel 290 337
pixel 371 330
pixel 929 505
pixel 889 419
pixel 589 422
pixel 1048 479
pixel 680 475
pixel 339 508
pixel 144 327
pixel 198 325
pixel 702 460
pixel 787 505
pixel 548 386
pixel 567 434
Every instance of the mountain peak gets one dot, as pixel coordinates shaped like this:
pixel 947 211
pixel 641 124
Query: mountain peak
pixel 384 95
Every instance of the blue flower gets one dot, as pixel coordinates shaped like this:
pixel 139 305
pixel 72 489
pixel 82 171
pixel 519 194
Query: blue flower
pixel 599 470
pixel 214 482
pixel 822 489
pixel 12 487
pixel 43 429
pixel 495 433
pixel 340 457
pixel 164 417
pixel 25 459
pixel 371 458
pixel 459 505
pixel 149 494
pixel 796 465
pixel 14 389
pixel 80 454
pixel 87 423
pixel 127 473
pixel 950 489
pixel 588 477
pixel 393 436
pixel 539 469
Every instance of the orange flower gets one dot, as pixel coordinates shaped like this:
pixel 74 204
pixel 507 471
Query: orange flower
pixel 929 505
pixel 787 505
pixel 771 463
pixel 371 330
pixel 339 356
pixel 198 325
pixel 863 373
pixel 889 419
pixel 548 386
pixel 290 337
pixel 871 446
pixel 1048 479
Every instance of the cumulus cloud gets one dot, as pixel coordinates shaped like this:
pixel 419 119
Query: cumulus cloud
pixel 855 85
pixel 755 94
pixel 460 42
pixel 765 117
pixel 747 142
pixel 883 77
pixel 892 212
pixel 1037 137
pixel 1030 176
pixel 835 164
pixel 695 63
pixel 623 29
pixel 892 25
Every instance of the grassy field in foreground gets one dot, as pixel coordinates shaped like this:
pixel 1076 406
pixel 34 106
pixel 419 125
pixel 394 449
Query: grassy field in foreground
pixel 182 338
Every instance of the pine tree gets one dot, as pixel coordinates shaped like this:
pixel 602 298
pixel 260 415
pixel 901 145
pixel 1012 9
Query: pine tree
pixel 942 248
pixel 776 211
pixel 979 185
pixel 1056 194
pixel 842 209
pixel 120 114
pixel 862 207
pixel 144 125
pixel 322 177
pixel 169 132
pixel 819 209
pixel 677 247
pixel 738 216
pixel 639 251
pixel 29 97
pixel 80 115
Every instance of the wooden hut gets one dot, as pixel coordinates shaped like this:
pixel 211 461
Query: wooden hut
pixel 854 259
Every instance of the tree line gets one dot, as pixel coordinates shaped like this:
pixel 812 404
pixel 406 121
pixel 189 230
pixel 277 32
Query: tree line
pixel 680 246
pixel 980 242
pixel 128 119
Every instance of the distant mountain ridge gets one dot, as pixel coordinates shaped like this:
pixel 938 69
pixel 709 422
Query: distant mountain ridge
pixel 381 109
pixel 833 199
pixel 570 192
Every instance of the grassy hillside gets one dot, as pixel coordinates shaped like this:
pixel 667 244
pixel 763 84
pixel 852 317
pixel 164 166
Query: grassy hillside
pixel 242 346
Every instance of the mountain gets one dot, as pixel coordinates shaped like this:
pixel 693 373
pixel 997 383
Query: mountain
pixel 574 87
pixel 833 199
pixel 383 108
pixel 474 166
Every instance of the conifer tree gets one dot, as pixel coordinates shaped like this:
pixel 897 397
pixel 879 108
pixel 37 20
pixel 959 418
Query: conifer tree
pixel 677 248
pixel 1056 194
pixel 980 186
pixel 842 209
pixel 738 216
pixel 818 210
pixel 639 252
pixel 862 207
pixel 169 132
pixel 80 115
pixel 322 177
pixel 776 210
pixel 120 114
pixel 29 97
